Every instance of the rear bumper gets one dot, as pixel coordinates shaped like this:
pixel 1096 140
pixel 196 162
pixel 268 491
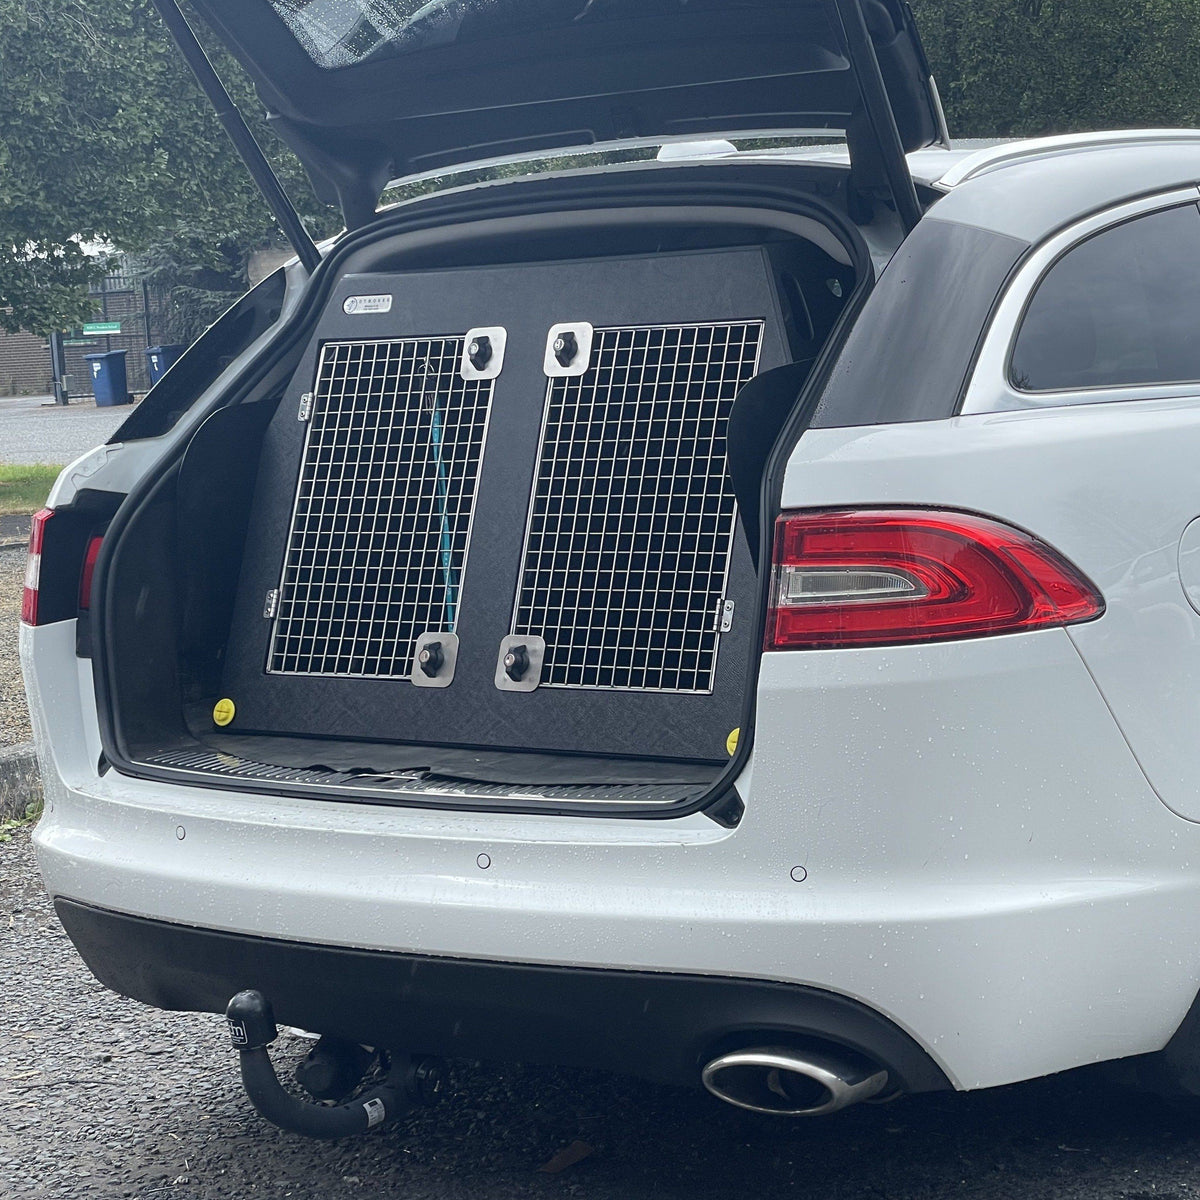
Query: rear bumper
pixel 660 1026
pixel 985 867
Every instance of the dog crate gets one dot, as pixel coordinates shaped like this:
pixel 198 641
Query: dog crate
pixel 493 511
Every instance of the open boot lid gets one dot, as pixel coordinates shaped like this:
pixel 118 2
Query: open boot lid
pixel 368 91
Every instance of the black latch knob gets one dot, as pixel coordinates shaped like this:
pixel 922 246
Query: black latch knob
pixel 431 659
pixel 516 663
pixel 566 347
pixel 479 352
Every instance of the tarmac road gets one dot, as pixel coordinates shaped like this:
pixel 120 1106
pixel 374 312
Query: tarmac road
pixel 32 431
pixel 104 1098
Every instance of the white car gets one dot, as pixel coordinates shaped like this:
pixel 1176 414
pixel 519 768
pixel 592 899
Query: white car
pixel 731 617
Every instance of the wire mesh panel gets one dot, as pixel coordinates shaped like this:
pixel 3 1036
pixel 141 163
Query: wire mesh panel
pixel 632 518
pixel 383 509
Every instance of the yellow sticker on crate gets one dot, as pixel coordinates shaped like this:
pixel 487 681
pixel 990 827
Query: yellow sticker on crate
pixel 223 712
pixel 731 742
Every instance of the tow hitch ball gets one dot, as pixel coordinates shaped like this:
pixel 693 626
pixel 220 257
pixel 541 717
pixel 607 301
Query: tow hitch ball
pixel 331 1072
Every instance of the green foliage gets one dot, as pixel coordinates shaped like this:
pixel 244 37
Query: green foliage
pixel 201 270
pixel 1030 67
pixel 106 139
pixel 33 810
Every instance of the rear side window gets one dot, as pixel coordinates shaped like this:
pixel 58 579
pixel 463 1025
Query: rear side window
pixel 1119 310
pixel 204 360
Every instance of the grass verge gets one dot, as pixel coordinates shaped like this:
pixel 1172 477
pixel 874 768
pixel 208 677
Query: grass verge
pixel 33 810
pixel 23 489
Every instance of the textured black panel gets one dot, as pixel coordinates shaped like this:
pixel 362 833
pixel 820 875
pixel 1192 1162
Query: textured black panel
pixel 486 766
pixel 719 288
pixel 420 783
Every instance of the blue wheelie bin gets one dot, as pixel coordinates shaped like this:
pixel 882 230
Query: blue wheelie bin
pixel 160 359
pixel 108 378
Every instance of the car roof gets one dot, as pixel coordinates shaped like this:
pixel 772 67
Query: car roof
pixel 1030 189
pixel 1025 189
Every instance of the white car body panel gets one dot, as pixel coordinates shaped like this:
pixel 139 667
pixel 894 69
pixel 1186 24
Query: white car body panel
pixel 998 836
pixel 961 889
pixel 1071 474
pixel 1033 198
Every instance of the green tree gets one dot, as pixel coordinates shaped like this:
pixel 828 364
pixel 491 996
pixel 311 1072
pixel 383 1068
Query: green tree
pixel 1030 67
pixel 105 140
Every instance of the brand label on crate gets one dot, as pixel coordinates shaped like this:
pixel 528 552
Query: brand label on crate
pixel 357 306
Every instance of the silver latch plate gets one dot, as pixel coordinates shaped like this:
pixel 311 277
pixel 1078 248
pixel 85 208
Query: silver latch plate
pixel 271 603
pixel 584 334
pixel 445 677
pixel 535 647
pixel 726 618
pixel 492 368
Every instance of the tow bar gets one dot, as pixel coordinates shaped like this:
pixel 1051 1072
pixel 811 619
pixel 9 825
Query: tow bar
pixel 339 1066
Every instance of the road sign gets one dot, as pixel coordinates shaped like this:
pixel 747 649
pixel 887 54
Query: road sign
pixel 76 342
pixel 102 327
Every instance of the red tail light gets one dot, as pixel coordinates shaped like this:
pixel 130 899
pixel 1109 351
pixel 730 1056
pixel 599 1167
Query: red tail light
pixel 881 577
pixel 33 569
pixel 89 569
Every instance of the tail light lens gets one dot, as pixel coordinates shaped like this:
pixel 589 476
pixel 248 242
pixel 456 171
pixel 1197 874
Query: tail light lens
pixel 33 568
pixel 883 577
pixel 89 569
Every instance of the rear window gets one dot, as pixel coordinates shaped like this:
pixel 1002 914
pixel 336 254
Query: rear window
pixel 343 33
pixel 1120 310
pixel 204 360
pixel 340 33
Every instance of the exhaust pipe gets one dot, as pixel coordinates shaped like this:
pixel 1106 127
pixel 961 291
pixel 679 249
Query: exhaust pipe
pixel 794 1083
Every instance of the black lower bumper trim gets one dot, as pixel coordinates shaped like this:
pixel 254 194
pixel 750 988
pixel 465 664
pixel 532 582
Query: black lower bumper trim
pixel 656 1025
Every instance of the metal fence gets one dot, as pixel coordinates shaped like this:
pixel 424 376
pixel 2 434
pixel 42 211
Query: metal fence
pixel 139 311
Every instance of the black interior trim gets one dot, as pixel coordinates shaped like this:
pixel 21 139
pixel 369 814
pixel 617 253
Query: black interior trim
pixel 235 329
pixel 760 412
pixel 758 188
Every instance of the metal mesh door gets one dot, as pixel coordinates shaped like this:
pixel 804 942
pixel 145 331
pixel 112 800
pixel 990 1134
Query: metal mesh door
pixel 632 517
pixel 383 510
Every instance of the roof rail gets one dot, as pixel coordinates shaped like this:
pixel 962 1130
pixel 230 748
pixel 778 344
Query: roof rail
pixel 996 158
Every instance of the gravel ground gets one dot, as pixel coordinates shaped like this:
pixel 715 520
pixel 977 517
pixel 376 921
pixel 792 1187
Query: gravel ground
pixel 104 1098
pixel 31 432
pixel 14 717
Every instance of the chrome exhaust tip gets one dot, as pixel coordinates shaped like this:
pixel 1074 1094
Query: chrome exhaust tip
pixel 793 1083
